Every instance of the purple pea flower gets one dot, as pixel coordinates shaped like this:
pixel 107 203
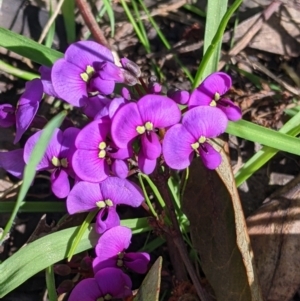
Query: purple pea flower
pixel 46 81
pixel 141 119
pixel 182 141
pixel 57 158
pixel 27 106
pixel 7 115
pixel 211 91
pixel 94 149
pixel 13 162
pixel 107 284
pixel 76 75
pixel 110 251
pixel 86 196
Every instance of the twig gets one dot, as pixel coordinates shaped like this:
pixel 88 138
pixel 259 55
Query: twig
pixel 244 41
pixel 160 181
pixel 91 23
pixel 50 21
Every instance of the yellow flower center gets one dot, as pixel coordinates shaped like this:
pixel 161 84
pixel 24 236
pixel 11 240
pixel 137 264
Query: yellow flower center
pixel 59 162
pixel 89 71
pixel 148 126
pixel 102 152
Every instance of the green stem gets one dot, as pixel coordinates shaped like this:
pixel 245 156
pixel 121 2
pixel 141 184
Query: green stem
pixel 215 41
pixel 17 72
pixel 50 282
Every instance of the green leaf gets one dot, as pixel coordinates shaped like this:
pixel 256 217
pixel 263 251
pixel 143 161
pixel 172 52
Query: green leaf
pixel 265 136
pixel 150 287
pixel 51 32
pixel 30 168
pixel 215 12
pixel 28 48
pixel 68 11
pixel 50 249
pixel 111 16
pixel 291 128
pixel 50 282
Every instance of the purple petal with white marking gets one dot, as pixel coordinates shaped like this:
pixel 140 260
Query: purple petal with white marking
pixel 67 82
pixel 83 197
pixel 53 149
pixel 89 167
pixel 218 82
pixel 158 109
pixel 13 162
pixel 124 124
pixel 60 184
pixel 209 156
pixel 205 121
pixel 121 191
pixel 177 149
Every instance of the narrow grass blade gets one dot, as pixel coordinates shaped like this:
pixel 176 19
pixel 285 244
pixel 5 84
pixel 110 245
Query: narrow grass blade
pixel 51 32
pixel 28 48
pixel 68 11
pixel 215 12
pixel 111 15
pixel 50 282
pixel 215 42
pixel 6 207
pixel 35 158
pixel 292 128
pixel 265 136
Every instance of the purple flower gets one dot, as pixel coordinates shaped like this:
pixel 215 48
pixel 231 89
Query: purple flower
pixel 179 96
pixel 7 115
pixel 13 162
pixel 105 196
pixel 211 91
pixel 46 81
pixel 95 106
pixel 94 149
pixel 111 248
pixel 107 284
pixel 182 141
pixel 142 119
pixel 57 158
pixel 27 106
pixel 76 75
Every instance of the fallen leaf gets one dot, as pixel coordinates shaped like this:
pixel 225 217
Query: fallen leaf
pixel 218 232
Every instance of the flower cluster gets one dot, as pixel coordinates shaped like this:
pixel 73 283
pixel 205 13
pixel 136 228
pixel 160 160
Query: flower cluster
pixel 126 133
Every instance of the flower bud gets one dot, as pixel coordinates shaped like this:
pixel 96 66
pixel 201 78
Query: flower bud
pixel 179 96
pixel 130 66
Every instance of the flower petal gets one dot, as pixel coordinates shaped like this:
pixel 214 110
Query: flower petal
pixel 232 111
pixel 67 82
pixel 120 168
pixel 158 109
pixel 97 84
pixel 46 81
pixel 107 218
pixel 99 264
pixel 205 121
pixel 84 53
pixel 114 282
pixel 209 156
pixel 179 96
pixel 112 242
pixel 124 124
pixel 13 162
pixel 92 134
pixel 146 166
pixel 7 115
pixel 176 148
pixel 83 197
pixel 89 167
pixel 96 105
pixel 218 82
pixel 137 262
pixel 87 290
pixel 60 184
pixel 121 191
pixel 150 145
pixel 53 149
